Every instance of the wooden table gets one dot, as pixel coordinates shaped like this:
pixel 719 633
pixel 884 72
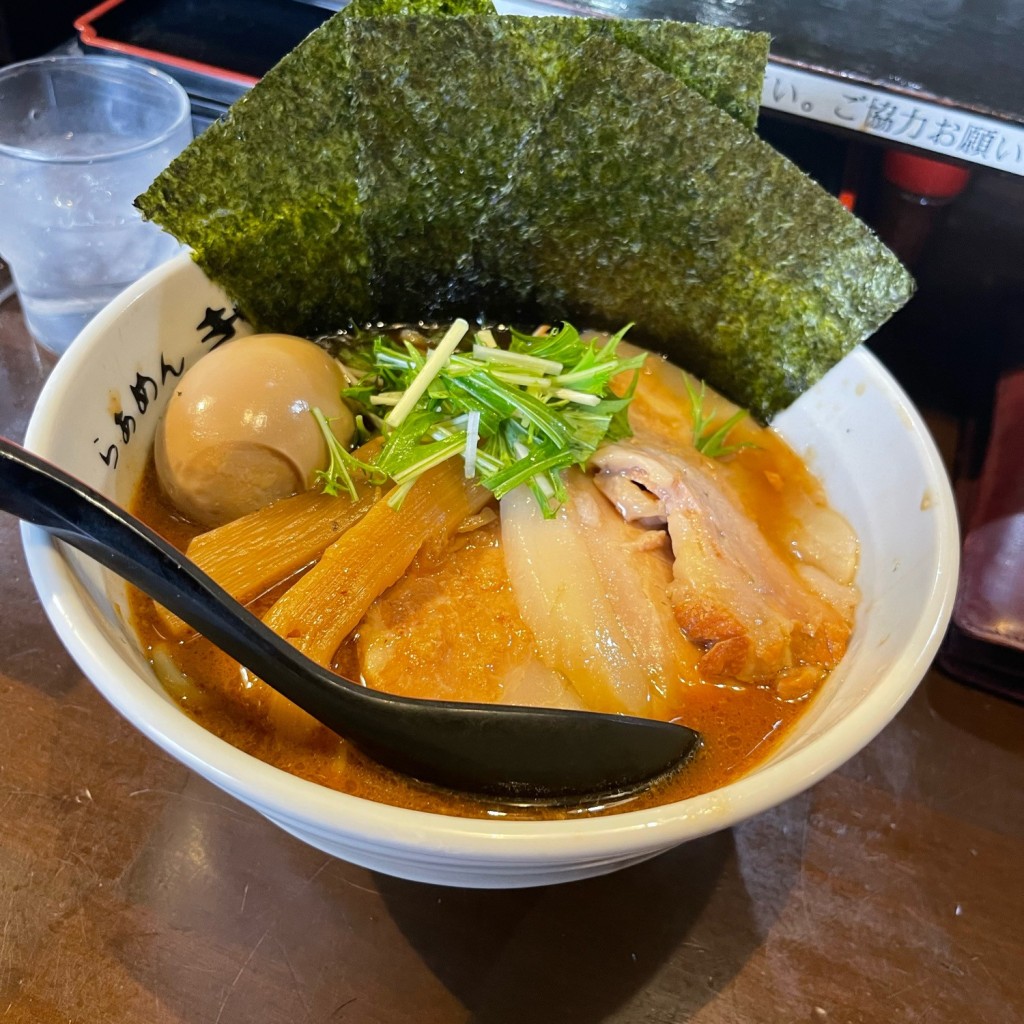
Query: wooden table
pixel 133 891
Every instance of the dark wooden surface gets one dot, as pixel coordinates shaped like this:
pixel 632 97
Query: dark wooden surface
pixel 133 892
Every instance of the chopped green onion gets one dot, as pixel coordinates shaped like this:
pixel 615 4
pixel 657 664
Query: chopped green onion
pixel 517 359
pixel 519 416
pixel 337 477
pixel 433 366
pixel 431 455
pixel 386 398
pixel 709 440
pixel 579 397
pixel 472 442
pixel 522 380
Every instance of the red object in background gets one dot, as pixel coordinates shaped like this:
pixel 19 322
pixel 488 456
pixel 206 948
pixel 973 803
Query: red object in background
pixel 922 176
pixel 916 191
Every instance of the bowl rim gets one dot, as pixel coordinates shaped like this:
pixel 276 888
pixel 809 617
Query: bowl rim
pixel 300 803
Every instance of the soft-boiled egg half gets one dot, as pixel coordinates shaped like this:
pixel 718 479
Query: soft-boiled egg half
pixel 239 432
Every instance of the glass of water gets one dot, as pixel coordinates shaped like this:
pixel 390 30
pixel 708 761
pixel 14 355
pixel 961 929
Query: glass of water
pixel 80 138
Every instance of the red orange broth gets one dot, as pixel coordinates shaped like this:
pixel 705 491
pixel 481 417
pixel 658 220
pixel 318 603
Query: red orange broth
pixel 740 725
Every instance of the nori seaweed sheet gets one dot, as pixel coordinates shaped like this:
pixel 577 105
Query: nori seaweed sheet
pixel 313 213
pixel 274 221
pixel 399 167
pixel 637 200
pixel 267 197
pixel 724 65
pixel 440 107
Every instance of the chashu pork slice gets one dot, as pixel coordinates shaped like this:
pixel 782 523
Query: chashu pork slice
pixel 757 617
pixel 816 534
pixel 593 590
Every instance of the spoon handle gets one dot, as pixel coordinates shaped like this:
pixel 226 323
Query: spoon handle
pixel 41 493
pixel 513 751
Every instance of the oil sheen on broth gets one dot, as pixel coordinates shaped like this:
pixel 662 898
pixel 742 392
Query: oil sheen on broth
pixel 731 577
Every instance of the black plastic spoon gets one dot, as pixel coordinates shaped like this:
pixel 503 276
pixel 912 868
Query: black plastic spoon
pixel 516 752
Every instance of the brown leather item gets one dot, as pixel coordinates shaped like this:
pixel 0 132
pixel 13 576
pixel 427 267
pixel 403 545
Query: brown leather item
pixel 990 601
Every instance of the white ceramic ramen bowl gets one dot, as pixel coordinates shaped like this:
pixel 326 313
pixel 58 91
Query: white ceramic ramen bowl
pixel 96 418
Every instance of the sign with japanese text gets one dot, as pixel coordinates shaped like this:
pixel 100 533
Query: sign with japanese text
pixel 942 131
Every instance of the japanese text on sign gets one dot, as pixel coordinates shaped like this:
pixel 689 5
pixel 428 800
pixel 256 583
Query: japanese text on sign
pixel 953 134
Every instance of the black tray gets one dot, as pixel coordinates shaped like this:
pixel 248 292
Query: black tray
pixel 217 49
